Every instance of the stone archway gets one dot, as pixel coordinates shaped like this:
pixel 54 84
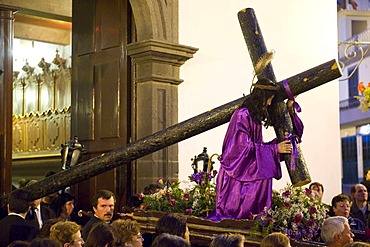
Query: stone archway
pixel 157 58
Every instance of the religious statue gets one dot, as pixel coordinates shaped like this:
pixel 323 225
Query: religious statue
pixel 248 165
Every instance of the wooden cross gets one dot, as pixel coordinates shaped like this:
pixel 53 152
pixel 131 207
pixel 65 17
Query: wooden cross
pixel 312 78
pixel 257 48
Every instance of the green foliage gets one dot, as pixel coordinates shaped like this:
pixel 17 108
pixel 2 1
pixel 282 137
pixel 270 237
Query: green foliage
pixel 198 199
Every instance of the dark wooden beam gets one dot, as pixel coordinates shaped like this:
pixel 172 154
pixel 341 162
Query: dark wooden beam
pixel 299 83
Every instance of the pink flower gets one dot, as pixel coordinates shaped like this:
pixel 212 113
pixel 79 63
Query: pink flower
pixel 310 222
pixel 313 210
pixel 188 211
pixel 141 196
pixel 286 204
pixel 308 191
pixel 143 206
pixel 173 202
pixel 286 193
pixel 168 194
pixel 186 196
pixel 297 218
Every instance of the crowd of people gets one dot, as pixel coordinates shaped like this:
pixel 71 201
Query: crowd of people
pixel 34 223
pixel 31 223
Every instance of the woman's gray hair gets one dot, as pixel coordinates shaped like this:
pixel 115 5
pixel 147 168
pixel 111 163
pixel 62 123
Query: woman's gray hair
pixel 331 227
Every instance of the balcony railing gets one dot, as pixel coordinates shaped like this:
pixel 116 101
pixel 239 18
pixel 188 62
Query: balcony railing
pixel 348 104
pixel 350 50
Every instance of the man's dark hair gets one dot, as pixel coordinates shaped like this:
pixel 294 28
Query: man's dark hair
pixel 172 223
pixel 340 198
pixel 256 103
pixel 105 194
pixel 317 184
pixel 168 240
pixel 227 240
pixel 19 201
pixel 366 171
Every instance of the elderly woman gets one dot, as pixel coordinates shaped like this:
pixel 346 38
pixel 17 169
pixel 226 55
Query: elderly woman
pixel 67 233
pixel 335 231
pixel 126 233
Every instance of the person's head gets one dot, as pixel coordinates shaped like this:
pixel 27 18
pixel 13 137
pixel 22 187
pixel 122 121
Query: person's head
pixel 151 189
pixel 169 240
pixel 259 102
pixel 103 204
pixel 101 235
pixel 358 244
pixel 367 174
pixel 227 240
pixel 45 229
pixel 68 233
pixel 19 243
pixel 64 204
pixel 316 186
pixel 126 233
pixel 275 239
pixel 359 193
pixel 336 230
pixel 174 224
pixel 19 201
pixel 341 205
pixel 23 182
pixel 34 203
pixel 42 242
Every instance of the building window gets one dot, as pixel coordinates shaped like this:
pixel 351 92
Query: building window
pixel 349 158
pixel 352 88
pixel 366 151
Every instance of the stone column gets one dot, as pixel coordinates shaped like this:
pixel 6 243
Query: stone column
pixel 6 96
pixel 156 79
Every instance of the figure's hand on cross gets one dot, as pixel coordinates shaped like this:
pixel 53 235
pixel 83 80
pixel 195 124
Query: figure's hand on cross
pixel 285 147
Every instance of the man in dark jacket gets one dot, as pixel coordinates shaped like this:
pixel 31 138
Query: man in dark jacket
pixel 103 206
pixel 360 208
pixel 14 226
pixel 39 213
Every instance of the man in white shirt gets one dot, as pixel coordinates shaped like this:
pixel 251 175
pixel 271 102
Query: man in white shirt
pixel 38 213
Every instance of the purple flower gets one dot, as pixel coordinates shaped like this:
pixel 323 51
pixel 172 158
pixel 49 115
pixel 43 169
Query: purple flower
pixel 286 204
pixel 168 194
pixel 188 211
pixel 173 202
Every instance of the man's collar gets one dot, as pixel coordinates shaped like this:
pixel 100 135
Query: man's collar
pixel 17 215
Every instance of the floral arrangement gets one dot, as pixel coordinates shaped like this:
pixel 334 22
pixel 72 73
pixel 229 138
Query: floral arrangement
pixel 364 98
pixel 294 212
pixel 197 197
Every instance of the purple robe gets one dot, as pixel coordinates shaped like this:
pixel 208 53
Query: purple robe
pixel 244 181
